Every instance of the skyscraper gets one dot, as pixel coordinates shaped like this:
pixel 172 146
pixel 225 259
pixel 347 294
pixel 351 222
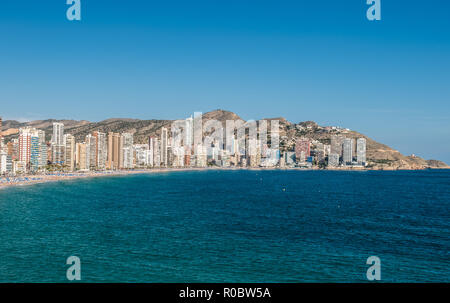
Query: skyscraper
pixel 113 150
pixel 58 133
pixel 348 151
pixel 189 138
pixel 336 145
pixel 156 153
pixel 361 151
pixel 126 149
pixel 38 156
pixel 57 143
pixel 91 141
pixel 35 152
pixel 164 142
pixel 43 157
pixel 101 149
pixel 152 147
pixel 70 151
pixel 25 145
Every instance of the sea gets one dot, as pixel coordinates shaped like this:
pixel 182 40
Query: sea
pixel 230 226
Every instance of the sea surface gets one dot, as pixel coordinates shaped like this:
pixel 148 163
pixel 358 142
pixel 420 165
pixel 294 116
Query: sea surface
pixel 230 226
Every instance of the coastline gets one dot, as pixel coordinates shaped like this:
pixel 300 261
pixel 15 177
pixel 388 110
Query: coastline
pixel 26 180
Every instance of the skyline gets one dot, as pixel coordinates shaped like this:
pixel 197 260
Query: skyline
pixel 190 145
pixel 302 61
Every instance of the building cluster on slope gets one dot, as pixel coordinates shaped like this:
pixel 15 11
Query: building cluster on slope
pixel 31 153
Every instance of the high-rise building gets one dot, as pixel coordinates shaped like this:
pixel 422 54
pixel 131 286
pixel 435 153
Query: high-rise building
pixel 336 145
pixel 164 144
pixel 189 137
pixel 361 151
pixel 25 146
pixel 126 146
pixel 70 150
pixel 302 149
pixel 348 151
pixel 156 153
pixel 57 144
pixel 58 133
pixel 113 150
pixel 91 141
pixel 152 147
pixel 101 149
pixel 34 158
pixel 43 157
pixel 198 130
pixel 36 139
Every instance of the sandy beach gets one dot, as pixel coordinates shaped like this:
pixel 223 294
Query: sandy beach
pixel 24 180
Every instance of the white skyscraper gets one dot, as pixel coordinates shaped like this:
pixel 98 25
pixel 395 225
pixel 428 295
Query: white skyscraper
pixel 101 149
pixel 57 143
pixel 164 142
pixel 126 147
pixel 348 151
pixel 58 134
pixel 361 151
pixel 189 138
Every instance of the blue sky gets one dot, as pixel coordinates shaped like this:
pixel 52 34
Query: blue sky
pixel 303 60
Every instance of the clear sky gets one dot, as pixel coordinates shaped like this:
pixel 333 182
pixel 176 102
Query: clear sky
pixel 303 60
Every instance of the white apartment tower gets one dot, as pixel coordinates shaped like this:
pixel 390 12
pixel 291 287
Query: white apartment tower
pixel 57 143
pixel 58 134
pixel 164 143
pixel 361 151
pixel 348 151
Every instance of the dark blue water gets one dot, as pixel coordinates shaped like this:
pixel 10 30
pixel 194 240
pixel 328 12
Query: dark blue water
pixel 230 226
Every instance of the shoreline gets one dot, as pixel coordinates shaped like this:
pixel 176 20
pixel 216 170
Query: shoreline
pixel 26 180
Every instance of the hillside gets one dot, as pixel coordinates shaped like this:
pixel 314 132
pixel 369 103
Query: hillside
pixel 379 156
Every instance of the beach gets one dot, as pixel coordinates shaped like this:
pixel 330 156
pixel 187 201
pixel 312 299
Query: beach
pixel 60 176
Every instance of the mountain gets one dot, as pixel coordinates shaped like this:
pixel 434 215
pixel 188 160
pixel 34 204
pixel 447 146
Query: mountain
pixel 379 156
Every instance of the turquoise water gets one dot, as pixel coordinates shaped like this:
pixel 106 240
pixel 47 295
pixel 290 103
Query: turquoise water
pixel 230 226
